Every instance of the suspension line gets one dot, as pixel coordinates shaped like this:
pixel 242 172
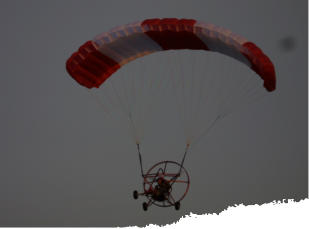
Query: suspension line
pixel 140 159
pixel 183 158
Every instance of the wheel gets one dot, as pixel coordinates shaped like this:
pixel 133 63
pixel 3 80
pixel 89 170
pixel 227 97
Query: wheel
pixel 145 206
pixel 177 205
pixel 135 194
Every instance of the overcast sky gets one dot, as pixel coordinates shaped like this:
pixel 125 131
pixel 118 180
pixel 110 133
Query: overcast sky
pixel 62 163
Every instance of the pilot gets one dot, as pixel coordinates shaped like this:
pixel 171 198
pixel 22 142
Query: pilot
pixel 161 190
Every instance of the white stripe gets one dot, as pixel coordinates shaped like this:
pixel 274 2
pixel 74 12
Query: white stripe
pixel 221 40
pixel 126 43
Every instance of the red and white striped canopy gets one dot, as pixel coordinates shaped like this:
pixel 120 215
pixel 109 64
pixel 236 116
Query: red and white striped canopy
pixel 97 60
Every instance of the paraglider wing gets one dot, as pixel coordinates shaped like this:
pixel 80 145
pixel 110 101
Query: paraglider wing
pixel 97 60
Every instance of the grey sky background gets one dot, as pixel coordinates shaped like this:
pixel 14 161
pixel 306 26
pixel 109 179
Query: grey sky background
pixel 62 164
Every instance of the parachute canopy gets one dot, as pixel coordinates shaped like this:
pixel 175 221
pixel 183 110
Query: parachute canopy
pixel 97 60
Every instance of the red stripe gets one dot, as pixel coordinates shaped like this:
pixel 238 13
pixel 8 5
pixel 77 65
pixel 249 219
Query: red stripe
pixel 262 65
pixel 172 33
pixel 89 67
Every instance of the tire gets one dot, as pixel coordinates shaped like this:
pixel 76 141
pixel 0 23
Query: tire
pixel 135 194
pixel 145 206
pixel 177 205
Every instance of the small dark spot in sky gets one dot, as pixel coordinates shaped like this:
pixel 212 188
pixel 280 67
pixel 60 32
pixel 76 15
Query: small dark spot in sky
pixel 287 44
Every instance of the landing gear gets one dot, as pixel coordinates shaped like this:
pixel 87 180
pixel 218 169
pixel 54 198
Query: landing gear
pixel 177 206
pixel 135 194
pixel 165 185
pixel 145 206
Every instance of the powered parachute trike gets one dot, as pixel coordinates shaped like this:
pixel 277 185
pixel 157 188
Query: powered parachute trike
pixel 96 62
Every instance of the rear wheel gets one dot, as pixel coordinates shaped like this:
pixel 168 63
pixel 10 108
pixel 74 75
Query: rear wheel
pixel 177 205
pixel 135 194
pixel 145 206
